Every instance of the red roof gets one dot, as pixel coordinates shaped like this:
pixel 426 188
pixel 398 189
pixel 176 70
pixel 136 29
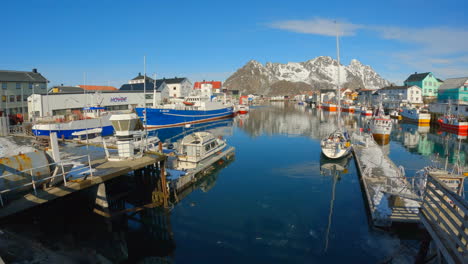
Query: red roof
pixel 97 88
pixel 215 85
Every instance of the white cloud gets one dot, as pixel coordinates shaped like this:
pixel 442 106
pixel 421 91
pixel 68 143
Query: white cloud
pixel 442 50
pixel 437 40
pixel 317 26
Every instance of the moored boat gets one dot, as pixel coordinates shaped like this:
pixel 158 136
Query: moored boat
pixel 242 109
pixel 92 118
pixel 366 111
pixel 419 116
pixel 348 108
pixel 337 145
pixel 328 106
pixel 197 147
pixel 381 126
pixel 454 124
pixel 204 109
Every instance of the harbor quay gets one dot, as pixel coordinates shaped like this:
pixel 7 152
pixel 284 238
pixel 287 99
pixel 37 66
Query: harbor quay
pixel 119 186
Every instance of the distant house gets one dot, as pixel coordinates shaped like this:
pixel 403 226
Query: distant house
pixel 162 90
pixel 394 96
pixel 427 81
pixel 455 90
pixel 178 87
pixel 366 96
pixel 16 86
pixel 216 86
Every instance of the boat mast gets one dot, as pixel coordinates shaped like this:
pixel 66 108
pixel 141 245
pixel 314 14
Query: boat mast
pixel 338 59
pixel 144 101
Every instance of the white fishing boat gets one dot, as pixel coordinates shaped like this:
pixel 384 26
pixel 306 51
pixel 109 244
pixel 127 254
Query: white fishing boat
pixel 381 126
pixel 416 115
pixel 197 147
pixel 338 144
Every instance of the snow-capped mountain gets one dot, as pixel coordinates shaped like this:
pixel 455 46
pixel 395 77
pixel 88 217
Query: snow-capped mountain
pixel 297 77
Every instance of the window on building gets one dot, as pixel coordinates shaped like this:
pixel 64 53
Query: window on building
pixel 43 85
pixel 30 85
pixel 4 98
pixel 18 85
pixel 18 98
pixel 12 98
pixel 4 86
pixel 425 83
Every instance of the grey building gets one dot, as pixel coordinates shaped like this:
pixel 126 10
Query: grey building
pixel 16 86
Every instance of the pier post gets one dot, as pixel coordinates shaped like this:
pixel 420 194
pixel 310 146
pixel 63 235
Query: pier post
pixel 102 204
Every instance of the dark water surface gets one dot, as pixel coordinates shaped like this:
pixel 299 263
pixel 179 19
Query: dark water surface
pixel 272 204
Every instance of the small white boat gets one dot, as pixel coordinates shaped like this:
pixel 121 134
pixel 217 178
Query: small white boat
pixel 196 148
pixel 337 145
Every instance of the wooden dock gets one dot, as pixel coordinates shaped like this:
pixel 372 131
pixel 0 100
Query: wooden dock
pixel 103 171
pixel 389 196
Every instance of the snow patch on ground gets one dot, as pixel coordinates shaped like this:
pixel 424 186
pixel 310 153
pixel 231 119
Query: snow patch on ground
pixel 9 148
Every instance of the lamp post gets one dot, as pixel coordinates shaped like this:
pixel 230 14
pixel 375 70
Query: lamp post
pixel 33 113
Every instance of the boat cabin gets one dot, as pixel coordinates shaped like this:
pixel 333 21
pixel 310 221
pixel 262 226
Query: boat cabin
pixel 197 147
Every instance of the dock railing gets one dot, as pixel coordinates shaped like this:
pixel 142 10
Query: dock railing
pixel 35 180
pixel 445 215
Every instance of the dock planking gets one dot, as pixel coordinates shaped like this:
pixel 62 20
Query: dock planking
pixel 103 171
pixel 389 195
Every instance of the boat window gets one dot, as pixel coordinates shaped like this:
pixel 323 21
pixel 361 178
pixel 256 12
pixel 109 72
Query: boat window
pixel 207 147
pixel 212 144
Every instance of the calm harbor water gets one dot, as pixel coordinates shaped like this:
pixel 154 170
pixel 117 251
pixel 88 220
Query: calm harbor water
pixel 276 202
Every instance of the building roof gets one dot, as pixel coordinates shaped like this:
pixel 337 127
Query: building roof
pixel 215 84
pixel 416 77
pixel 173 80
pixel 452 83
pixel 97 88
pixel 21 76
pixel 140 86
pixel 394 87
pixel 66 89
pixel 140 77
pixel 439 80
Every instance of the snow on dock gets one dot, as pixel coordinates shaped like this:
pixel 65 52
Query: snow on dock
pixel 389 195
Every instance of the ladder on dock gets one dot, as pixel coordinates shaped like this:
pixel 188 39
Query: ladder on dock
pixel 445 216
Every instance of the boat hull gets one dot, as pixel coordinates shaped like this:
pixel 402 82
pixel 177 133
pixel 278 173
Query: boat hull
pixel 329 107
pixel 421 121
pixel 66 129
pixel 460 128
pixel 158 118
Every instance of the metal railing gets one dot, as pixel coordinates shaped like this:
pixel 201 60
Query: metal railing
pixel 34 179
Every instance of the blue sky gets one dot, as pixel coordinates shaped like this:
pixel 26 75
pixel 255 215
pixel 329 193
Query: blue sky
pixel 212 39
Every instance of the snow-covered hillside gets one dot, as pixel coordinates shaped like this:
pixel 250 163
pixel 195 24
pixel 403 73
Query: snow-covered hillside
pixel 320 72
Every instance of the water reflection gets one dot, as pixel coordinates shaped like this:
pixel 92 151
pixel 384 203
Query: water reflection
pixel 290 119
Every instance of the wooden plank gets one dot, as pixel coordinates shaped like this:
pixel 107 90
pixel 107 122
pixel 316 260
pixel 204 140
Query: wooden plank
pixel 462 204
pixel 461 222
pixel 445 240
pixel 434 235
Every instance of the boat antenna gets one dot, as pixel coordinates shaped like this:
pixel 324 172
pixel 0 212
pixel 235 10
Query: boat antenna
pixel 86 103
pixel 144 101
